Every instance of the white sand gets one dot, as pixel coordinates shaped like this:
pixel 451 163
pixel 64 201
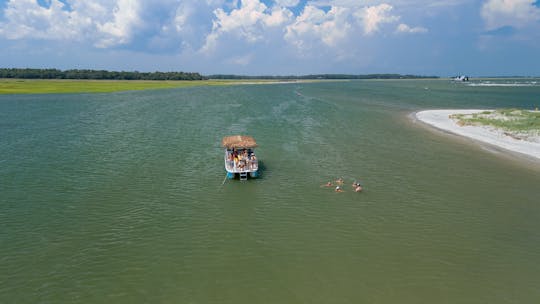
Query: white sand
pixel 441 120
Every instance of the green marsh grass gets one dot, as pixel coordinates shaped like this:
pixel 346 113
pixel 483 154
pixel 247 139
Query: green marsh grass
pixel 506 119
pixel 45 86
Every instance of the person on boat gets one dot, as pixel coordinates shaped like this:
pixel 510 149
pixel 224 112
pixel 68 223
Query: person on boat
pixel 236 160
pixel 252 161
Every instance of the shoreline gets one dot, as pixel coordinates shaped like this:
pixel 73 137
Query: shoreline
pixel 440 119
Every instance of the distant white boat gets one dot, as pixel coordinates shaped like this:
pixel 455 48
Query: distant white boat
pixel 461 78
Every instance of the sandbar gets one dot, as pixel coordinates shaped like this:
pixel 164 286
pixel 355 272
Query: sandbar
pixel 440 119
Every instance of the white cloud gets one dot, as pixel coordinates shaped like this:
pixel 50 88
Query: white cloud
pixel 125 21
pixel 515 13
pixel 189 23
pixel 182 15
pixel 336 29
pixel 249 21
pixel 315 25
pixel 27 19
pixel 373 16
pixel 104 23
pixel 404 28
pixel 278 17
pixel 400 3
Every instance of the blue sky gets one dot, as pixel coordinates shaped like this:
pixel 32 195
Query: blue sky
pixel 275 37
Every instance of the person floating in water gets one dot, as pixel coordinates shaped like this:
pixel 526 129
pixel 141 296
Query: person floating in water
pixel 329 184
pixel 357 187
pixel 339 181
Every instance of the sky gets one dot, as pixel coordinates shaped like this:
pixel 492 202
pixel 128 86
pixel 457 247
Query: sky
pixel 275 37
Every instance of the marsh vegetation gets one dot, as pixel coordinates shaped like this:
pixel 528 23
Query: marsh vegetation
pixel 44 86
pixel 506 119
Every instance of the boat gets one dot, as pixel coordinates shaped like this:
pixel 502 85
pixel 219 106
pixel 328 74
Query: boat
pixel 240 159
pixel 461 78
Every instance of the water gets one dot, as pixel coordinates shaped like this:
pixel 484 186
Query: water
pixel 119 198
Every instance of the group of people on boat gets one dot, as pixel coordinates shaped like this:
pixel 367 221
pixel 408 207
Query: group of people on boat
pixel 242 158
pixel 339 185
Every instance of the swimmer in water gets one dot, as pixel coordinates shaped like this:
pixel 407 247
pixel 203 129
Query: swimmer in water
pixel 338 189
pixel 357 187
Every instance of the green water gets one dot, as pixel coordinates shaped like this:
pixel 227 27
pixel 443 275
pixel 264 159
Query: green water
pixel 118 198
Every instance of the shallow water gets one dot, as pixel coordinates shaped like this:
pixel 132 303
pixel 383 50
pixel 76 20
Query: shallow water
pixel 120 198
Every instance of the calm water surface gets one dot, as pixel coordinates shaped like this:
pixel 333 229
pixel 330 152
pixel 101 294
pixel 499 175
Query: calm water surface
pixel 118 198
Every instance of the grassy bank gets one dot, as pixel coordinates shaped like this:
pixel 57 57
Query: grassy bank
pixel 31 86
pixel 507 119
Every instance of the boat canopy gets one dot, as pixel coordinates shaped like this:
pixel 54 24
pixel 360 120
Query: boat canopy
pixel 238 141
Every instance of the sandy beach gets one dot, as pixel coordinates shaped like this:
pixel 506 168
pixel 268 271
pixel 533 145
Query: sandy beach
pixel 440 119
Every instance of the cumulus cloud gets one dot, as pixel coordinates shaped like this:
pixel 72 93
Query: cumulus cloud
pixel 181 17
pixel 315 28
pixel 27 19
pixel 410 4
pixel 125 21
pixel 404 28
pixel 373 16
pixel 235 27
pixel 248 21
pixel 515 13
pixel 101 22
pixel 315 25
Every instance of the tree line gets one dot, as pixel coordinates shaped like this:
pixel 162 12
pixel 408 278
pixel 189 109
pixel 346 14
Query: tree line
pixel 324 76
pixel 135 75
pixel 96 74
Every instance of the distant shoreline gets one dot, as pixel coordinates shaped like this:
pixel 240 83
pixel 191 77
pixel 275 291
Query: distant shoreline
pixel 440 119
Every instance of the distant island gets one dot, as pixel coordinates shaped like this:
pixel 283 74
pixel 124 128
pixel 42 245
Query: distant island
pixel 323 76
pixel 46 81
pixel 28 73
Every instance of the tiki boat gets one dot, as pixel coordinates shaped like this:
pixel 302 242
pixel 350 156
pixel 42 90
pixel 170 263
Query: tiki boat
pixel 240 156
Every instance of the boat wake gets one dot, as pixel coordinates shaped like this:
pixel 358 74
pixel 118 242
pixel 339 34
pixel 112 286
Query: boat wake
pixel 504 84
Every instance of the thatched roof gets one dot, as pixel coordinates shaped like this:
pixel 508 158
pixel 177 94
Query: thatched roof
pixel 238 141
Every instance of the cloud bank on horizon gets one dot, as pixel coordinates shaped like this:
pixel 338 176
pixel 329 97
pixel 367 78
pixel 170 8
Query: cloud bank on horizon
pixel 483 37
